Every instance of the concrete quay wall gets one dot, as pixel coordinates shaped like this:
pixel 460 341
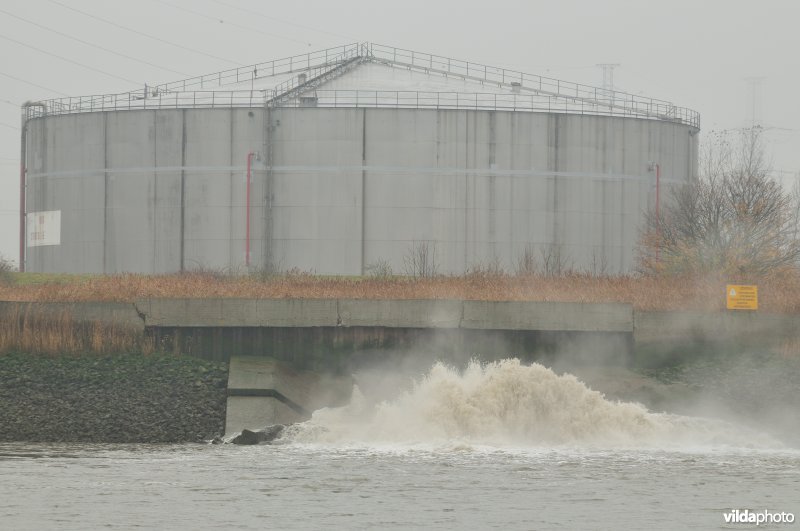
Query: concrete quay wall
pixel 480 315
pixel 645 326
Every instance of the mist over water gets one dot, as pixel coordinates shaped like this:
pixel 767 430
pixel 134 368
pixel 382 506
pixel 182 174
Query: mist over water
pixel 509 404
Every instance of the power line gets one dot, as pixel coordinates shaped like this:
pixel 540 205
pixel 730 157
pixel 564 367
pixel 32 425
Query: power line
pixel 137 32
pixel 9 126
pixel 92 44
pixel 267 17
pixel 234 24
pixel 32 84
pixel 69 60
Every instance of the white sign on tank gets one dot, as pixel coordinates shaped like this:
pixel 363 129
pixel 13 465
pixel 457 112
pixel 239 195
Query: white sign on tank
pixel 44 228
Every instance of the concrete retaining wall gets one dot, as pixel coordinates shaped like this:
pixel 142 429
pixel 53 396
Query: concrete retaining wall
pixel 555 316
pixel 299 392
pixel 653 327
pixel 238 312
pixel 480 315
pixel 646 326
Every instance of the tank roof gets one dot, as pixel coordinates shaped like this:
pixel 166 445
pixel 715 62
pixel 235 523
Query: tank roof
pixel 375 75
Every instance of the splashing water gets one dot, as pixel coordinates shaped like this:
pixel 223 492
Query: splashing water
pixel 507 403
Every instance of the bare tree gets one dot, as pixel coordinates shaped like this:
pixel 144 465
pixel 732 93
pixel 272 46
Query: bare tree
pixel 492 267
pixel 555 261
pixel 734 219
pixel 380 268
pixel 527 264
pixel 420 262
pixel 796 207
pixel 598 267
pixel 7 269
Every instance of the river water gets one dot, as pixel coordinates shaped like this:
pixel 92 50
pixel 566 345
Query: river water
pixel 501 446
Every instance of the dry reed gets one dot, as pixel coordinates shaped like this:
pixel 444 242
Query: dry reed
pixel 28 330
pixel 777 294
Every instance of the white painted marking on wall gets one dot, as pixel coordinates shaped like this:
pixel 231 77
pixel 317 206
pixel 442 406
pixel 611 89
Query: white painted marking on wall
pixel 44 228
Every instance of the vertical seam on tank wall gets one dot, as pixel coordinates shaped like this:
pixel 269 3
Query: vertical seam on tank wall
pixel 622 202
pixel 23 218
pixel 603 220
pixel 492 210
pixel 555 240
pixel 511 150
pixel 155 190
pixel 231 179
pixel 622 224
pixel 267 245
pixel 363 187
pixel 264 237
pixel 183 193
pixel 466 189
pixel 264 240
pixel 105 192
pixel 689 156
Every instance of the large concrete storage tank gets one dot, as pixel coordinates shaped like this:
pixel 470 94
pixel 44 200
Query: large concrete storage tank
pixel 339 159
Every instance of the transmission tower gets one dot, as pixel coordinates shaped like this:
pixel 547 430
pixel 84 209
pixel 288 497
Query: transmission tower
pixel 608 79
pixel 755 101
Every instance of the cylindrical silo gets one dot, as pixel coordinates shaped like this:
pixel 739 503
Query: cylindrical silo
pixel 358 155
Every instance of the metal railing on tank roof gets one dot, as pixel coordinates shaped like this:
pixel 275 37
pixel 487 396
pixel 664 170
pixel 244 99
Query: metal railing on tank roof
pixel 526 92
pixel 287 65
pixel 626 103
pixel 481 101
pixel 200 99
pixel 397 99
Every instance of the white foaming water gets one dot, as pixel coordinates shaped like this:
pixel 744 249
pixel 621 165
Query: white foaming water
pixel 506 403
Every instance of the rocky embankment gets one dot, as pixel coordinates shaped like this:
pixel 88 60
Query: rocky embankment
pixel 115 399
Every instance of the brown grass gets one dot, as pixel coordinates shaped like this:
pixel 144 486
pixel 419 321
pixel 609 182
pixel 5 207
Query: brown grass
pixel 777 294
pixel 31 331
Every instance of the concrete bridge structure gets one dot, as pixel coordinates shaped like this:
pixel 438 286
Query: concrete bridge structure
pixel 289 357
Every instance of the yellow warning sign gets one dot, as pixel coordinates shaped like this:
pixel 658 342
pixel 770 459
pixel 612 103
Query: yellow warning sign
pixel 742 297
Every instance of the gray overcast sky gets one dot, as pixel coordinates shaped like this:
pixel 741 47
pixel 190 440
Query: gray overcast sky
pixel 695 53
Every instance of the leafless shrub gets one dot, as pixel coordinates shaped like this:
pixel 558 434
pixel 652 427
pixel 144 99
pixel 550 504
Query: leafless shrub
pixel 527 265
pixel 420 262
pixel 598 266
pixel 490 268
pixel 795 207
pixel 555 262
pixel 265 273
pixel 735 219
pixel 217 273
pixel 379 269
pixel 6 270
